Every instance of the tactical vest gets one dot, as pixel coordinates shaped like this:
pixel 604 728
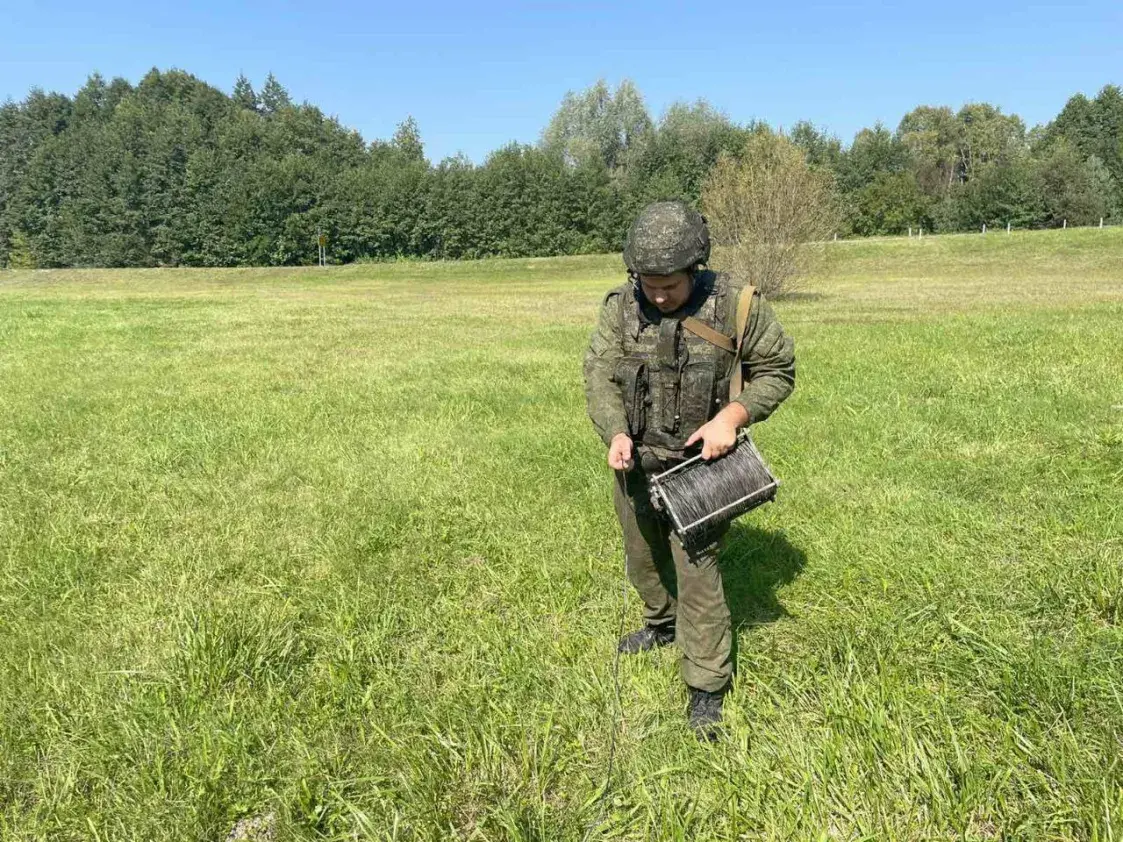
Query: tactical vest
pixel 673 381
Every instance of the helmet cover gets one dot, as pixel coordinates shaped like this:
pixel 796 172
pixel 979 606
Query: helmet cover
pixel 667 237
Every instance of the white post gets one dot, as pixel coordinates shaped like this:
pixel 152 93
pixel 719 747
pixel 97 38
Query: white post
pixel 1101 222
pixel 1007 227
pixel 919 233
pixel 984 227
pixel 910 232
pixel 836 237
pixel 1065 225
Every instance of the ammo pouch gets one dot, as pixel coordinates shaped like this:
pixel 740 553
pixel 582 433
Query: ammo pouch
pixel 631 375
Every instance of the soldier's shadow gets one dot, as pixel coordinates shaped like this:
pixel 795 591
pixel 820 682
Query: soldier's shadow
pixel 754 563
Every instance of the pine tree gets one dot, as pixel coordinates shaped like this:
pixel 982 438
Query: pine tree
pixel 244 95
pixel 274 97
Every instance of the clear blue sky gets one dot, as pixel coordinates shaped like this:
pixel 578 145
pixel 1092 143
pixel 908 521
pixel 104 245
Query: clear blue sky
pixel 476 76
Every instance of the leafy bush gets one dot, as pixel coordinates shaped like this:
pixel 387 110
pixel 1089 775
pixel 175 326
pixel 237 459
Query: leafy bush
pixel 771 215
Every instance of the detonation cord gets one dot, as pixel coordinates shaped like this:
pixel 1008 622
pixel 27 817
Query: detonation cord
pixel 617 716
pixel 618 712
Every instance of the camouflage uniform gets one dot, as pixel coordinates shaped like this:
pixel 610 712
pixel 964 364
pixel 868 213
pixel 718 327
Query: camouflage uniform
pixel 647 377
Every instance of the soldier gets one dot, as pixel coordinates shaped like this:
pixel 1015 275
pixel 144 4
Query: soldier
pixel 655 392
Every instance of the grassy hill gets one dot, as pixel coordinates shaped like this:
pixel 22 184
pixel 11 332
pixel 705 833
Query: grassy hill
pixel 335 548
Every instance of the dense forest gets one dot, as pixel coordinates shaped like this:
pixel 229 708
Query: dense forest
pixel 173 171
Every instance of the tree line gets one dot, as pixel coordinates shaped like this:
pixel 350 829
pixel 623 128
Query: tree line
pixel 173 171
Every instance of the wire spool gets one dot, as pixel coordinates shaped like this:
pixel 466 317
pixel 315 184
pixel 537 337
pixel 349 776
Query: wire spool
pixel 699 496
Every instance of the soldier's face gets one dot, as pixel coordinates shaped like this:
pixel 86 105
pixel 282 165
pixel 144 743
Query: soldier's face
pixel 667 292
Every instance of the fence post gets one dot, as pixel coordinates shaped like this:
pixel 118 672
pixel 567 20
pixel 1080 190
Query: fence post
pixel 1007 227
pixel 1065 225
pixel 910 230
pixel 1101 222
pixel 984 228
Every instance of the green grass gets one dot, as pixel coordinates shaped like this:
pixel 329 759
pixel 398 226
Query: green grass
pixel 337 546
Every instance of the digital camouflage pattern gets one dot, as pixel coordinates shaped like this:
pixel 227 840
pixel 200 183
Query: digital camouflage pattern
pixel 666 237
pixel 680 586
pixel 648 377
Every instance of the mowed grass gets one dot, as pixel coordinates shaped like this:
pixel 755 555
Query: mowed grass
pixel 334 549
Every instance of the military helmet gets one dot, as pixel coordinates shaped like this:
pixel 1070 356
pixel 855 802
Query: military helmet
pixel 666 237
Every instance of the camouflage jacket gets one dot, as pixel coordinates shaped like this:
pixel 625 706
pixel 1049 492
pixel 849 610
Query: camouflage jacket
pixel 647 376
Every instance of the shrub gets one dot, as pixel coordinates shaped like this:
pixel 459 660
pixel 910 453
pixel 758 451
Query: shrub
pixel 771 215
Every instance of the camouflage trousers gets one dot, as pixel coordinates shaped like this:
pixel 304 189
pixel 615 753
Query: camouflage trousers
pixel 679 586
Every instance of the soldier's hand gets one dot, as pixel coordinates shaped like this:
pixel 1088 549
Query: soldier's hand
pixel 719 434
pixel 620 453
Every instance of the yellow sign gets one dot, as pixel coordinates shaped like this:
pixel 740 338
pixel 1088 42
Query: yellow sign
pixel 323 238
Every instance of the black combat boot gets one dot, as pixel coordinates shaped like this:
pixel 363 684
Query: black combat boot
pixel 646 639
pixel 704 713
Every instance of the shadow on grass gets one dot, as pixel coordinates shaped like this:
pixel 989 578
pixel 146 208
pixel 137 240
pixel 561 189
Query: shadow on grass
pixel 754 563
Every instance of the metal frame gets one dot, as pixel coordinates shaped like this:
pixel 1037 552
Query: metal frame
pixel 767 491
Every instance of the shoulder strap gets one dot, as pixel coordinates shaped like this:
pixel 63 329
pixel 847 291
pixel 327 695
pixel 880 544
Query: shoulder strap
pixel 744 305
pixel 702 330
pixel 623 321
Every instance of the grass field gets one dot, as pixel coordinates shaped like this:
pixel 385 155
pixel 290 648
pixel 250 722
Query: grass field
pixel 334 548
